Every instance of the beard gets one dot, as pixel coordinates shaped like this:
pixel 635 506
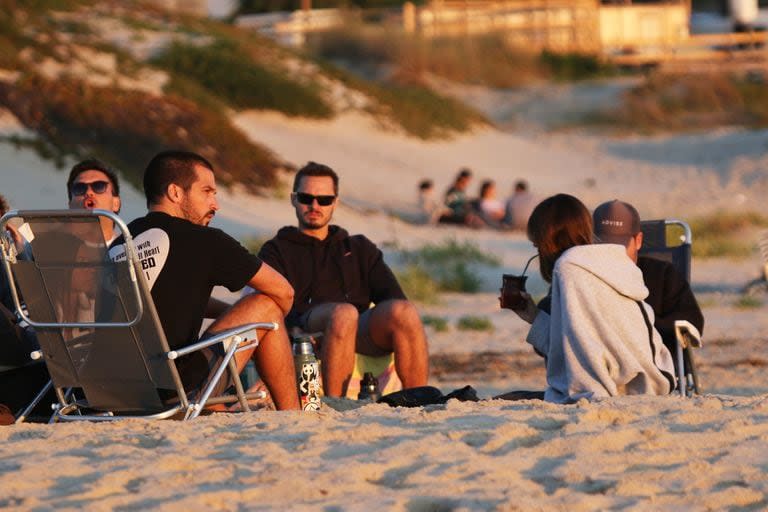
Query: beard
pixel 201 220
pixel 316 222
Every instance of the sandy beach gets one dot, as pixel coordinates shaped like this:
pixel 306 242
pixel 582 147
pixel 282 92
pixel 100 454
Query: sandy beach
pixel 633 453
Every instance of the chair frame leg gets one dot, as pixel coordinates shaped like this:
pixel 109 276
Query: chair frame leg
pixel 23 416
pixel 681 380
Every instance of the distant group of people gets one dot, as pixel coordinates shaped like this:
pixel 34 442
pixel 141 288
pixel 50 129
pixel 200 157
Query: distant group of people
pixel 484 211
pixel 600 331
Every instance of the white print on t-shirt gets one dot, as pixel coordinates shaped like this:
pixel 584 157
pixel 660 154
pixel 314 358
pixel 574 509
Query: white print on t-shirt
pixel 152 247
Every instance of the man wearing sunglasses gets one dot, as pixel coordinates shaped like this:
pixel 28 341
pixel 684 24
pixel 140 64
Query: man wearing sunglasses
pixel 336 277
pixel 92 184
pixel 183 259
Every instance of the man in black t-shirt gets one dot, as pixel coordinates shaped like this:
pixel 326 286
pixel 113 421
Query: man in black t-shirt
pixel 183 259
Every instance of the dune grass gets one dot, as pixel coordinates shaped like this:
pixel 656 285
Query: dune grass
pixel 221 69
pixel 692 103
pixel 451 250
pixel 418 284
pixel 474 323
pixel 485 59
pixel 127 128
pixel 726 234
pixel 438 323
pixel 444 267
pixel 411 105
pixel 748 302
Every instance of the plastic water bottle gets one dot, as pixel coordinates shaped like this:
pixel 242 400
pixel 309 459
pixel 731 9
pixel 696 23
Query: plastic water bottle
pixel 307 373
pixel 369 388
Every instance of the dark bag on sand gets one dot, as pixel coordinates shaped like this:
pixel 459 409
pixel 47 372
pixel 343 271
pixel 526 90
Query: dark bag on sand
pixel 427 395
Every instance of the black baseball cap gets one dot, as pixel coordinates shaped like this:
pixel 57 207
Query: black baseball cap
pixel 615 222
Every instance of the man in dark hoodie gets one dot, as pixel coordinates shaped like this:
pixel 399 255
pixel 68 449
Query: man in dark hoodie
pixel 336 277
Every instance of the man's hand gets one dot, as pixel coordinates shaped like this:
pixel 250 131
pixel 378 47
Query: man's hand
pixel 271 283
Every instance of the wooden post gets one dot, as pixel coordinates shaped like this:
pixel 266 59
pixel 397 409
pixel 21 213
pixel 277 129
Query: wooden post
pixel 409 17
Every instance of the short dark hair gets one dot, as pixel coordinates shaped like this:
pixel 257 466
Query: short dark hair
pixel 521 185
pixel 464 172
pixel 93 164
pixel 555 225
pixel 315 169
pixel 171 167
pixel 4 207
pixel 425 184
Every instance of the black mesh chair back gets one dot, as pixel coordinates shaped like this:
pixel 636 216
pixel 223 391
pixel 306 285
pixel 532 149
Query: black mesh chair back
pixel 113 347
pixel 668 240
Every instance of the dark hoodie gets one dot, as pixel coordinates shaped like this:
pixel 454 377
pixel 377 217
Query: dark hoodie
pixel 341 268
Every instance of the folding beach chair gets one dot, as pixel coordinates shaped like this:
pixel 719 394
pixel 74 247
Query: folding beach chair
pixel 97 326
pixel 670 240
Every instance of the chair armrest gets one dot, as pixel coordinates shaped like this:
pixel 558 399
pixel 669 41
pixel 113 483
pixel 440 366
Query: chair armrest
pixel 244 333
pixel 687 334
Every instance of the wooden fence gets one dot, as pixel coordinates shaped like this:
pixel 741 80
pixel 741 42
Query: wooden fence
pixel 567 25
pixel 626 34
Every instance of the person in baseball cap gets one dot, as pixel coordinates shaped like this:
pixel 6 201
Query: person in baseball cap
pixel 669 293
pixel 617 222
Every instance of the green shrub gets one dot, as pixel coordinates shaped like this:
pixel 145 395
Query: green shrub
pixel 457 277
pixel 438 323
pixel 222 69
pixel 474 323
pixel 574 66
pixel 425 113
pixel 748 302
pixel 449 264
pixel 417 284
pixel 450 251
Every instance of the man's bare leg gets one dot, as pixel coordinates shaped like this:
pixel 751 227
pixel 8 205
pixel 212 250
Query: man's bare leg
pixel 339 324
pixel 395 326
pixel 273 357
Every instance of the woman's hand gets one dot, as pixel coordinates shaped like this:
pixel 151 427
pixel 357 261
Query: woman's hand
pixel 529 311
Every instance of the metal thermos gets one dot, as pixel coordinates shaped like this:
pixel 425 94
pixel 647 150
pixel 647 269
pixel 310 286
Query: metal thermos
pixel 307 373
pixel 369 388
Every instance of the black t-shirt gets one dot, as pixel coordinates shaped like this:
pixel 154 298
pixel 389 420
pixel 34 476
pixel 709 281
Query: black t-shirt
pixel 182 262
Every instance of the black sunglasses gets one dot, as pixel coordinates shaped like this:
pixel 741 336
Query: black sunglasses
pixel 81 187
pixel 308 199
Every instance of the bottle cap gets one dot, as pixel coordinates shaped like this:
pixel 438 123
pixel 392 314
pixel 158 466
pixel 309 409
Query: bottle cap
pixel 303 345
